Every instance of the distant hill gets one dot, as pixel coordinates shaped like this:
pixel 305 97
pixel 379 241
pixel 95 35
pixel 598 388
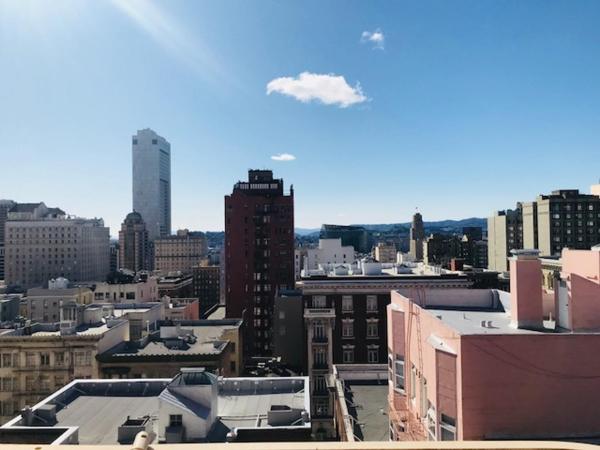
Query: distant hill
pixel 306 231
pixel 378 231
pixel 439 225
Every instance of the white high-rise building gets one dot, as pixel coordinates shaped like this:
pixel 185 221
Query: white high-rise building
pixel 151 157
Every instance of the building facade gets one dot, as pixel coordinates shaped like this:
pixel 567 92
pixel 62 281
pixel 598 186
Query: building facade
pixel 207 286
pixel 134 245
pixel 39 359
pixel 180 252
pixel 5 206
pixel 565 219
pixel 439 249
pixel 151 165
pixel 345 323
pixel 212 344
pixel 329 252
pixel 351 235
pixel 44 305
pixel 505 233
pixel 43 243
pixel 478 364
pixel 385 253
pixel 259 253
pixel 417 235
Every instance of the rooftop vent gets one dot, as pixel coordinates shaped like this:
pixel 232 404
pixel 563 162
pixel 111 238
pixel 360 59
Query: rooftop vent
pixel 131 427
pixel 283 415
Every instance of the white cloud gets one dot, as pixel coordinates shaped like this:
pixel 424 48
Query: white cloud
pixel 375 37
pixel 329 89
pixel 283 157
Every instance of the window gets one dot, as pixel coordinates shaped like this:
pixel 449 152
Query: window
pixel 373 355
pixel 44 383
pixel 347 303
pixel 30 359
pixel 347 328
pixel 319 357
pixel 175 420
pixel 44 359
pixel 413 382
pixel 318 329
pixel 399 373
pixel 319 301
pixel 6 384
pixel 372 328
pixel 321 407
pixel 348 354
pixel 6 360
pixel 371 303
pixel 431 422
pixel 448 428
pixel 320 384
pixel 83 358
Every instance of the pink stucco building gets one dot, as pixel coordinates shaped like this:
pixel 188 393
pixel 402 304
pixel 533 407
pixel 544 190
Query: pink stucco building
pixel 469 364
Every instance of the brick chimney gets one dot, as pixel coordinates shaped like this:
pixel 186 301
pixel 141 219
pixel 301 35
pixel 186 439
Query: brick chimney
pixel 526 289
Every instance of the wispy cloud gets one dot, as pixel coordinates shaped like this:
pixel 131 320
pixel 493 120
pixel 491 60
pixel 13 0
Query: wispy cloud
pixel 375 37
pixel 171 35
pixel 329 89
pixel 283 157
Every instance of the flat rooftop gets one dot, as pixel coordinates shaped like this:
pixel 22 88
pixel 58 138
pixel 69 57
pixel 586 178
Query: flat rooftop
pixel 369 407
pixel 217 314
pixel 99 417
pixel 99 407
pixel 475 311
pixel 82 330
pixel 207 340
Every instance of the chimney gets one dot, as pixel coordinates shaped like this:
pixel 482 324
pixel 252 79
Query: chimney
pixel 526 289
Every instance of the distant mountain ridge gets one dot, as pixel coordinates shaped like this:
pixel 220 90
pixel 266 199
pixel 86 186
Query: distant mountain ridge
pixel 441 225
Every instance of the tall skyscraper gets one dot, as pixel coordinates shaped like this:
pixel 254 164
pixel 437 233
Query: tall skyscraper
pixel 417 234
pixel 134 248
pixel 259 254
pixel 151 157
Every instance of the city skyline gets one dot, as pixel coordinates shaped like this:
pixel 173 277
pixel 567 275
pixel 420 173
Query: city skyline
pixel 414 97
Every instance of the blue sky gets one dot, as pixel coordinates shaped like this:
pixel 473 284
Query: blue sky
pixel 457 107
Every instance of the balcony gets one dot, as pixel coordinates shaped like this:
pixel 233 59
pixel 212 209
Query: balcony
pixel 320 366
pixel 319 313
pixel 320 339
pixel 320 392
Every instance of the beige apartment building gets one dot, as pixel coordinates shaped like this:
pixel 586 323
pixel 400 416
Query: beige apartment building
pixel 505 233
pixel 385 253
pixel 134 245
pixel 39 359
pixel 143 290
pixel 565 219
pixel 180 252
pixel 44 305
pixel 42 243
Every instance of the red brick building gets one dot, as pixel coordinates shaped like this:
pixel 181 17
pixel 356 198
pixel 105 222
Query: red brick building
pixel 259 254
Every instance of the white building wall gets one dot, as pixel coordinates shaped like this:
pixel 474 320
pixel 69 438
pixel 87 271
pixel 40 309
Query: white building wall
pixel 330 251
